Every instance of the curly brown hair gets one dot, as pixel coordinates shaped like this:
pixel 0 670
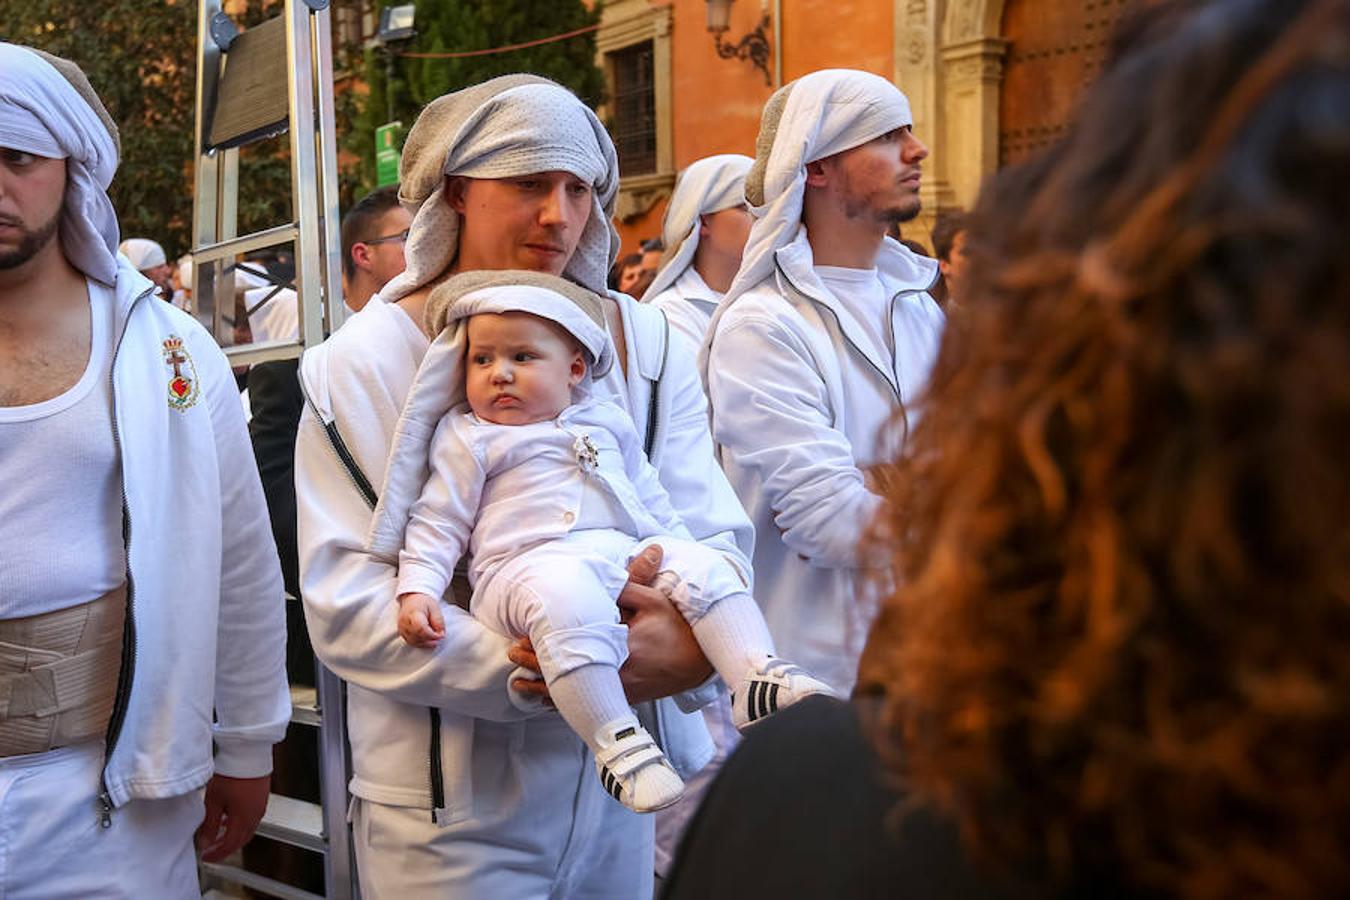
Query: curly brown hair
pixel 1120 645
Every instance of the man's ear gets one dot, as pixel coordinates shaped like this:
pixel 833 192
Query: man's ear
pixel 361 255
pixel 816 173
pixel 454 192
pixel 702 226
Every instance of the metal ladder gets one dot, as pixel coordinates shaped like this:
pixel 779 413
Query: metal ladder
pixel 275 78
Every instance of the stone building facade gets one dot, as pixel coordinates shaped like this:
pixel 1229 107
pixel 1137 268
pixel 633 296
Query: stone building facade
pixel 989 82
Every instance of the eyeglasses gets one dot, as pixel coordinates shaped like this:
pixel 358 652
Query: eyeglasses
pixel 401 237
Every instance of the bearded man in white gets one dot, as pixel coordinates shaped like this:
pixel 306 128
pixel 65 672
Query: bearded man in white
pixel 142 637
pixel 826 334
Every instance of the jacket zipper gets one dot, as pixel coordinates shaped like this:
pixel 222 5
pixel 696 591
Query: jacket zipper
pixel 354 473
pixel 654 406
pixel 437 773
pixel 649 444
pixel 127 673
pixel 904 413
pixel 893 386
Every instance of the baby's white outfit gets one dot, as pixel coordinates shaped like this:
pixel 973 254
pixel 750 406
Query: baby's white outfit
pixel 551 513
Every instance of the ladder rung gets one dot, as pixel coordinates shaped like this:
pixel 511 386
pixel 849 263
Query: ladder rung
pixel 304 705
pixel 258 240
pixel 294 822
pixel 267 351
pixel 270 886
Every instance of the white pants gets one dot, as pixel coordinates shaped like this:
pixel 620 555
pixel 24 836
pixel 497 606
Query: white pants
pixel 52 844
pixel 562 594
pixel 541 827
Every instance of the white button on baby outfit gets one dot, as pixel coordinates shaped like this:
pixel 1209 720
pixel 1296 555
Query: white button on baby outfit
pixel 569 517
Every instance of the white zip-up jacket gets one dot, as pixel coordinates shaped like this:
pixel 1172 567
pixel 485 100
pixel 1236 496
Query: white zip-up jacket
pixel 207 623
pixel 802 402
pixel 356 384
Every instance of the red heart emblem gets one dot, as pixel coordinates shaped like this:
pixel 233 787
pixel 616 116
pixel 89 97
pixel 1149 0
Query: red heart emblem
pixel 180 386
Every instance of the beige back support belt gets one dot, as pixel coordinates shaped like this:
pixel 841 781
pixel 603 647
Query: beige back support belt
pixel 58 674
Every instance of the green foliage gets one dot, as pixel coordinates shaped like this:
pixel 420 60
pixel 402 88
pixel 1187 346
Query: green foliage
pixel 140 56
pixel 447 26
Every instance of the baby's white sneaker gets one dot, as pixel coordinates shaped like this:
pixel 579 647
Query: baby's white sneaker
pixel 769 687
pixel 633 769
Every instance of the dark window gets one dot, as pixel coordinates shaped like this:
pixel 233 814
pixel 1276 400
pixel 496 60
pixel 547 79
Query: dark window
pixel 350 20
pixel 634 124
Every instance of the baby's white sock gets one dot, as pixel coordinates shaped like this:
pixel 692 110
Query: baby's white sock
pixel 590 698
pixel 734 637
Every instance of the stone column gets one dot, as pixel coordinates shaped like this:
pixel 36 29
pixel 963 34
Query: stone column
pixel 917 74
pixel 972 73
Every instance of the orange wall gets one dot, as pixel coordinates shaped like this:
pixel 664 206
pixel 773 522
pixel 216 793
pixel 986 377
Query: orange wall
pixel 837 34
pixel 633 232
pixel 717 102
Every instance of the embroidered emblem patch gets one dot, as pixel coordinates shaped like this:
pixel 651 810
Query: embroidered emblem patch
pixel 183 390
pixel 587 456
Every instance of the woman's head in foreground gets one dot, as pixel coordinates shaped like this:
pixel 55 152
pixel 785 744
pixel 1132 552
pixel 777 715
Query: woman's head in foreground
pixel 1122 525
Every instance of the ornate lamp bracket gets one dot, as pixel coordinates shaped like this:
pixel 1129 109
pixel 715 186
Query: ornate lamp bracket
pixel 753 47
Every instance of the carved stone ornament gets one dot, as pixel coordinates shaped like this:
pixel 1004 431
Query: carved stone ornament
pixel 639 193
pixel 916 50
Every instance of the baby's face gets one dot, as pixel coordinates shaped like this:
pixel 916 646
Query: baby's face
pixel 520 368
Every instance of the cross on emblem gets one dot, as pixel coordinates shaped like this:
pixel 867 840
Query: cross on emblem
pixel 176 359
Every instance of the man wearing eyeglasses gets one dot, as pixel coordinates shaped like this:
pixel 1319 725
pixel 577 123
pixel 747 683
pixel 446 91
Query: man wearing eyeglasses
pixel 373 234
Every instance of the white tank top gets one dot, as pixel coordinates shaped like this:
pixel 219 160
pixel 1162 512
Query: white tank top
pixel 61 506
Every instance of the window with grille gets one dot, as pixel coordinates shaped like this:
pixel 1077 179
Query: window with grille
pixel 634 122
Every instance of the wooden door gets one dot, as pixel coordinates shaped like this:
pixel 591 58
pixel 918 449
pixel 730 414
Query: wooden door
pixel 1055 48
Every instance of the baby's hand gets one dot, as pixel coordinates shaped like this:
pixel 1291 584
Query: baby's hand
pixel 420 622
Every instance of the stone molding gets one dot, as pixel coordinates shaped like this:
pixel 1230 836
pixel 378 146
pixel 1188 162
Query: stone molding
pixel 639 193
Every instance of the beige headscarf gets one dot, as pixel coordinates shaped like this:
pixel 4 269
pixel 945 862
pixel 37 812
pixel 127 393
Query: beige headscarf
pixel 504 128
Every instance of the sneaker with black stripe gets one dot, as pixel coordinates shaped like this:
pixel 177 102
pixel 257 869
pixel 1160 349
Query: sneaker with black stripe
pixel 633 770
pixel 770 687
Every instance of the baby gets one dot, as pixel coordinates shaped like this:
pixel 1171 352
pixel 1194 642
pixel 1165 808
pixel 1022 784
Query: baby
pixel 550 493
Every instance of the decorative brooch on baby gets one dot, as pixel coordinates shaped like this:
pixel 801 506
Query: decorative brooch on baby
pixel 587 456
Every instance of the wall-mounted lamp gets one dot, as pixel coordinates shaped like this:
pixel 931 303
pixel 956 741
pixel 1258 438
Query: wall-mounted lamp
pixel 396 26
pixel 396 23
pixel 753 47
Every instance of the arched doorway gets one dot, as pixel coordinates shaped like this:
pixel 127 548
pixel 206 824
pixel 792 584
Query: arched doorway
pixel 1055 49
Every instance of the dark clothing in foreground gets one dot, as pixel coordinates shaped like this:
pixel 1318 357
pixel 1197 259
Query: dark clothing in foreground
pixel 802 810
